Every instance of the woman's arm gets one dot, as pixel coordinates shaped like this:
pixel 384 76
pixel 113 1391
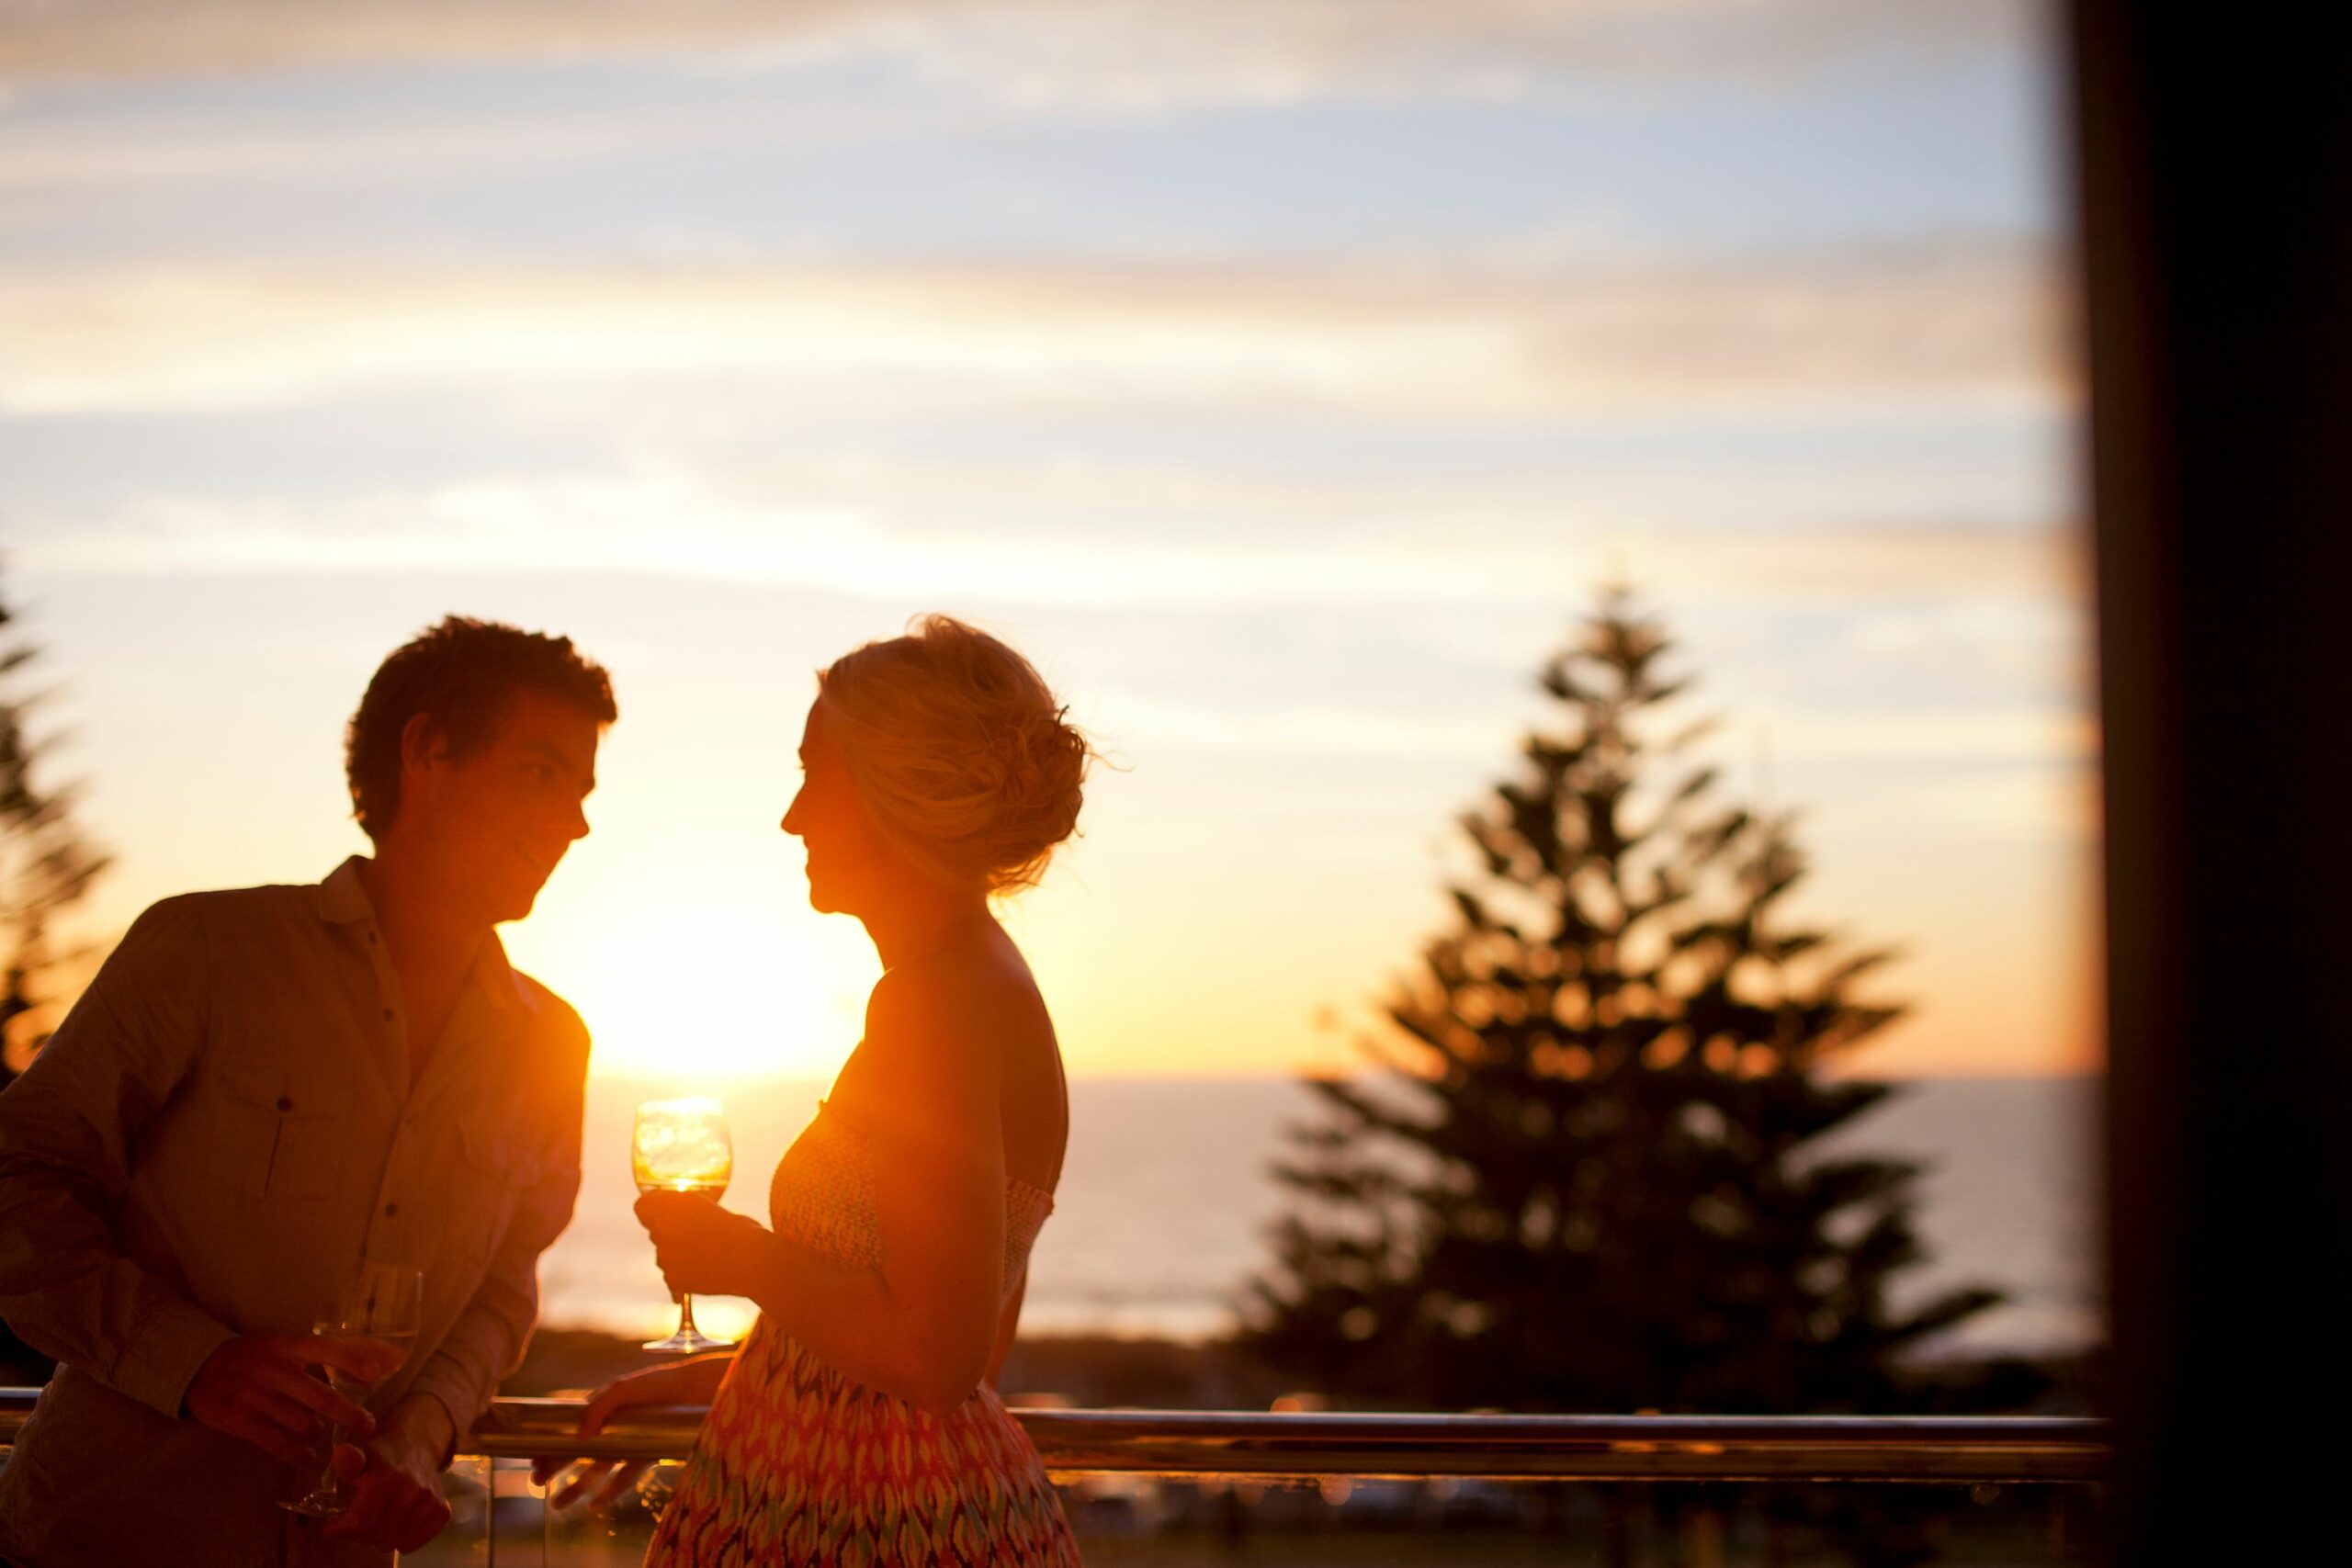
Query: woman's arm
pixel 922 1327
pixel 1008 1329
pixel 692 1382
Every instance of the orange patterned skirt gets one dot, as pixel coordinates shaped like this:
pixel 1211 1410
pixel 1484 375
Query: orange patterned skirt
pixel 796 1464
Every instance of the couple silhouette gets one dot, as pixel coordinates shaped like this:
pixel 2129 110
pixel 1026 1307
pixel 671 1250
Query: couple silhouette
pixel 265 1088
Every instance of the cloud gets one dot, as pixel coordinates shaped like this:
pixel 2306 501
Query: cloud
pixel 984 539
pixel 2048 739
pixel 1969 323
pixel 74 161
pixel 1993 734
pixel 2034 803
pixel 1126 53
pixel 1261 729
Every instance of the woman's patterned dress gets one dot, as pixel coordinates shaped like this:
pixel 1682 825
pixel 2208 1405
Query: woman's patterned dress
pixel 797 1465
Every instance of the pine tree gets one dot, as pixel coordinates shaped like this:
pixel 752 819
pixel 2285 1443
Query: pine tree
pixel 45 865
pixel 1586 1174
pixel 46 862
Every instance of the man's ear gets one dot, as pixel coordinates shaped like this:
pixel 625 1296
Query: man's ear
pixel 423 744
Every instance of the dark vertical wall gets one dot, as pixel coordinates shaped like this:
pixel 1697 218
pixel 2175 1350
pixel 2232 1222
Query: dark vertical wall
pixel 2215 168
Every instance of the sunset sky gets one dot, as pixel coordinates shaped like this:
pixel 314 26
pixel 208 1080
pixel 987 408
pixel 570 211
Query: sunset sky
pixel 1281 377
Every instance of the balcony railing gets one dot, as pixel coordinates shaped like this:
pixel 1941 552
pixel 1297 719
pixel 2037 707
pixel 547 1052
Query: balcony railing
pixel 1985 1449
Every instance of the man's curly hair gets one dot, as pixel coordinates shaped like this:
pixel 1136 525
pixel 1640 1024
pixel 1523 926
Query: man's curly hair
pixel 462 673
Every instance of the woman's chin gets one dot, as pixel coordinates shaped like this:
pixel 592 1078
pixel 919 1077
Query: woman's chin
pixel 830 893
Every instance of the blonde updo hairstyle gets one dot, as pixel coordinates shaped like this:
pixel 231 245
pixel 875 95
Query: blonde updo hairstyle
pixel 960 753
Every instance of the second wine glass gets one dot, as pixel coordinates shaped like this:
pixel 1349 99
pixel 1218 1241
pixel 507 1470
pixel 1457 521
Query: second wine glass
pixel 682 1145
pixel 383 1305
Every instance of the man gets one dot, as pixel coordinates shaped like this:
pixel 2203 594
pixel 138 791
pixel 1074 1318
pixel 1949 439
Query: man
pixel 263 1088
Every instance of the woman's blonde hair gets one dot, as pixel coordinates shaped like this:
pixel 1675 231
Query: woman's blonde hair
pixel 964 759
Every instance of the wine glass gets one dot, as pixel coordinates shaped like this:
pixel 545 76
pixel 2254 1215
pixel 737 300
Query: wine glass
pixel 680 1145
pixel 382 1304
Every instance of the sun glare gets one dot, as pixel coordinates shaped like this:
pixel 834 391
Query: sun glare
pixel 693 991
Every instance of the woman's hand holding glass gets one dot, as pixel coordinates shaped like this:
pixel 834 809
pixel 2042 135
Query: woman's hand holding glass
pixel 701 1248
pixel 681 1149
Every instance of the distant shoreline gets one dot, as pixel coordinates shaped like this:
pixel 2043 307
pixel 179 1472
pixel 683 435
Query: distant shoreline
pixel 1165 1201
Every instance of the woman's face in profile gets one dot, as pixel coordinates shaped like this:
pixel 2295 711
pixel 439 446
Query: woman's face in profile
pixel 848 857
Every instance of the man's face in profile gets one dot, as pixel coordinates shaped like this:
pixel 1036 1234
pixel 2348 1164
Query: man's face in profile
pixel 497 821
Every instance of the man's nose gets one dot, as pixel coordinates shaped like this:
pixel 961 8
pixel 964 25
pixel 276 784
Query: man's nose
pixel 577 828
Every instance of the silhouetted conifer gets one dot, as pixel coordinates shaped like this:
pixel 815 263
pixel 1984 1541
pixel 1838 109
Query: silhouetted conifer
pixel 45 865
pixel 46 862
pixel 1589 1173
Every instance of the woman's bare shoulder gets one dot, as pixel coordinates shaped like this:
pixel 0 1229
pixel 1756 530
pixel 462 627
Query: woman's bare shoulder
pixel 935 1042
pixel 962 997
pixel 947 1037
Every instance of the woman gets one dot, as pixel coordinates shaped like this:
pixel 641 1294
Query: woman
pixel 857 1424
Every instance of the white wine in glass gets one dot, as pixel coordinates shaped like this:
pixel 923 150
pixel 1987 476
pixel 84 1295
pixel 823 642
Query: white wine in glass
pixel 680 1145
pixel 383 1305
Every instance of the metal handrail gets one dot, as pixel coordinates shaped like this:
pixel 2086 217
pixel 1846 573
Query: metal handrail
pixel 1554 1447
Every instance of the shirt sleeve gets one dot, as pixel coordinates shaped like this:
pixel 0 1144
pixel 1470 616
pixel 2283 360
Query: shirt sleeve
pixel 487 1341
pixel 67 1128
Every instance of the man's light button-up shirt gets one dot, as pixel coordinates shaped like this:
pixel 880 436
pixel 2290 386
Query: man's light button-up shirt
pixel 223 1129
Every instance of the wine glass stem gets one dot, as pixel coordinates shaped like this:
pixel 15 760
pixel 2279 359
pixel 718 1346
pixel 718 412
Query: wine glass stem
pixel 686 1314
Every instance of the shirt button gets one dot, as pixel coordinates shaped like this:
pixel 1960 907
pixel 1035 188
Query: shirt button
pixel 285 1102
pixel 387 1015
pixel 391 1210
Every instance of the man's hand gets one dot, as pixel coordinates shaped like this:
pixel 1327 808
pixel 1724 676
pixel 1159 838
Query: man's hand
pixel 395 1479
pixel 258 1388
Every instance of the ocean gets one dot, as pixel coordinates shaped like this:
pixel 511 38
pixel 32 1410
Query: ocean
pixel 1165 1198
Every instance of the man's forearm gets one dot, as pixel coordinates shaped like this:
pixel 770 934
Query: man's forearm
pixel 422 1420
pixel 485 1343
pixel 67 1289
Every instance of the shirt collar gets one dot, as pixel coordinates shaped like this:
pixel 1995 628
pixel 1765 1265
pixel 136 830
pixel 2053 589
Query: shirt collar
pixel 343 902
pixel 343 898
pixel 494 976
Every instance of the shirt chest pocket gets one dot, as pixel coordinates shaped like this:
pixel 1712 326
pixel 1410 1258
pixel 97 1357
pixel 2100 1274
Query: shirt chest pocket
pixel 294 1120
pixel 497 1169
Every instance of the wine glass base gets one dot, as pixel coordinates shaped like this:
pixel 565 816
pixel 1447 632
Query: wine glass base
pixel 684 1341
pixel 318 1504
